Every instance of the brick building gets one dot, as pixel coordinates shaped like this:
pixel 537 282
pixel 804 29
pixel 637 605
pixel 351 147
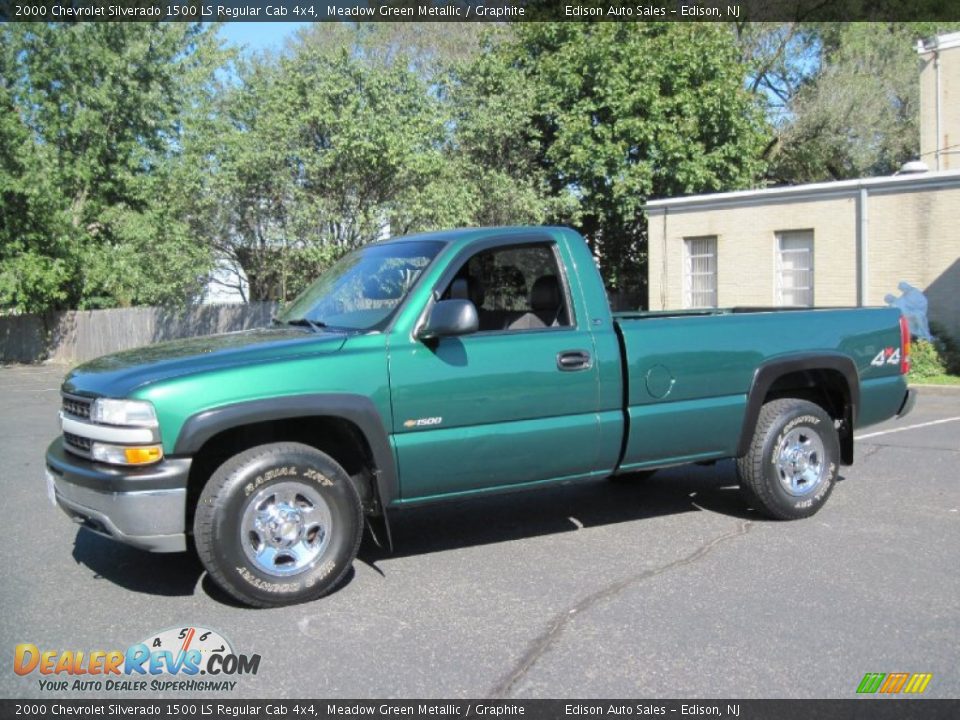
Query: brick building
pixel 940 101
pixel 837 243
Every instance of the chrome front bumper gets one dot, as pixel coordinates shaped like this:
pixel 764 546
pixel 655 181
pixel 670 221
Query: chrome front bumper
pixel 145 508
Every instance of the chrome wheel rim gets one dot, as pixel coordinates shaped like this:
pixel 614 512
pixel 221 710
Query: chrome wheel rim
pixel 285 528
pixel 800 461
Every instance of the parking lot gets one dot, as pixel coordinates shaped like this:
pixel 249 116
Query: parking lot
pixel 664 588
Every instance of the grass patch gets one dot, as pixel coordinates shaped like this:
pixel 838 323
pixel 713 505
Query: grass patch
pixel 936 380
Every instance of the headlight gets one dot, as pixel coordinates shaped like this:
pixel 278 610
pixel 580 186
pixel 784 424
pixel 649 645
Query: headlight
pixel 123 412
pixel 126 454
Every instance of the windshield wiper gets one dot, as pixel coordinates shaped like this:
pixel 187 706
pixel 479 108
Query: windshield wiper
pixel 314 325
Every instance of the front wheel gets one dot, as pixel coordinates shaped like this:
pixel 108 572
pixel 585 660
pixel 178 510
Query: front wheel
pixel 278 524
pixel 791 467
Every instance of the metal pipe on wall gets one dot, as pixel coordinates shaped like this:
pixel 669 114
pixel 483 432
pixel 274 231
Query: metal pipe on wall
pixel 936 73
pixel 862 246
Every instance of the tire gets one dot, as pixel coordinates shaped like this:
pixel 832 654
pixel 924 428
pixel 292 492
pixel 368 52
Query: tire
pixel 278 524
pixel 791 466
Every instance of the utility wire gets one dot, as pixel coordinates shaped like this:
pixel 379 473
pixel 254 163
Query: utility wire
pixel 940 150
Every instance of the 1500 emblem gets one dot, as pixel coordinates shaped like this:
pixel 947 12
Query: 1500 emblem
pixel 423 422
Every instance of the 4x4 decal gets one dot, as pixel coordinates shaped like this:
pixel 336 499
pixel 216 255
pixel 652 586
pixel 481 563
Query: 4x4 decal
pixel 887 356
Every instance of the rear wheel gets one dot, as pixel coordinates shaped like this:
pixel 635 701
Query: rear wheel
pixel 278 524
pixel 792 464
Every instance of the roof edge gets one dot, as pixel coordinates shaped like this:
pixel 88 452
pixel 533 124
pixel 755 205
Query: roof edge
pixel 947 178
pixel 938 42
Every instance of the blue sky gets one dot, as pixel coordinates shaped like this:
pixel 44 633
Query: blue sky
pixel 259 36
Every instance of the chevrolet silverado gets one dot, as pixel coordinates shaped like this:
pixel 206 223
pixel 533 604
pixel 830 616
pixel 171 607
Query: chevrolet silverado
pixel 442 366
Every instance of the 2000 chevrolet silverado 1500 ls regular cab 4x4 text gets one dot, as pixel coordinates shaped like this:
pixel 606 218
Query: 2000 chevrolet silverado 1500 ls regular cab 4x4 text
pixel 447 365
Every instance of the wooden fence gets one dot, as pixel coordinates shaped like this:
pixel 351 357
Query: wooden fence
pixel 77 335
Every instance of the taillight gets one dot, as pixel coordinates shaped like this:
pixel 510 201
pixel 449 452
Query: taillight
pixel 904 345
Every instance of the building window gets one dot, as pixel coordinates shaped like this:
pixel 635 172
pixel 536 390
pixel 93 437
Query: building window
pixel 700 272
pixel 795 268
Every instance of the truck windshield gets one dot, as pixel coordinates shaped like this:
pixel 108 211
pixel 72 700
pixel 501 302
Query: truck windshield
pixel 362 289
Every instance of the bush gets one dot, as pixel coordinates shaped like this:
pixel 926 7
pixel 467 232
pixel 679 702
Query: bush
pixel 940 357
pixel 925 360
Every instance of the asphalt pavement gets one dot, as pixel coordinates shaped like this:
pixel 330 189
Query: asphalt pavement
pixel 667 587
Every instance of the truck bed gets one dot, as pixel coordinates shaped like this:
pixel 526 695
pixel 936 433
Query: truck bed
pixel 688 372
pixel 699 312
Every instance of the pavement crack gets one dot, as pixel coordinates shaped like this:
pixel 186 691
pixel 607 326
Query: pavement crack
pixel 877 447
pixel 871 450
pixel 539 646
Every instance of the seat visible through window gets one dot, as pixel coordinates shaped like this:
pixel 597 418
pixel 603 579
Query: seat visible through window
pixel 513 289
pixel 545 305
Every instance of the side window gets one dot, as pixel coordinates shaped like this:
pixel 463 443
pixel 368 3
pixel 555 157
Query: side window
pixel 795 268
pixel 514 288
pixel 700 272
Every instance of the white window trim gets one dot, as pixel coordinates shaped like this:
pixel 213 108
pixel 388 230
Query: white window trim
pixel 777 277
pixel 687 272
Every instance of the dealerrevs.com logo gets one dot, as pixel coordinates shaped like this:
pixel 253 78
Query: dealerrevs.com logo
pixel 170 660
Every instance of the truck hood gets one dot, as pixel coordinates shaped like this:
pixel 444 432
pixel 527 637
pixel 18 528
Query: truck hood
pixel 121 373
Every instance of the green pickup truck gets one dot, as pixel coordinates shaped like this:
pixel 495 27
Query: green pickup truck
pixel 447 365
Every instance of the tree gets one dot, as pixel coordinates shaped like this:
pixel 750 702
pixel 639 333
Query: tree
pixel 32 271
pixel 626 112
pixel 91 126
pixel 353 131
pixel 311 154
pixel 779 58
pixel 128 164
pixel 494 146
pixel 427 49
pixel 842 98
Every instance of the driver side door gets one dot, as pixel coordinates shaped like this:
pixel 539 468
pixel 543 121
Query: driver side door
pixel 515 402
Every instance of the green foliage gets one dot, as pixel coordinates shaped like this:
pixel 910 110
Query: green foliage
pixel 495 149
pixel 288 271
pixel 925 360
pixel 133 156
pixel 309 155
pixel 346 135
pixel 626 112
pixel 850 94
pixel 934 359
pixel 91 120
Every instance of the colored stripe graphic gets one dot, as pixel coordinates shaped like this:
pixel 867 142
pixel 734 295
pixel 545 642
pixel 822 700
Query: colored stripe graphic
pixel 871 682
pixel 914 683
pixel 894 683
pixel 918 682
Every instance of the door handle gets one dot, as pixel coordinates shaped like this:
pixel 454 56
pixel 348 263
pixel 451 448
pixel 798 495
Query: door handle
pixel 570 360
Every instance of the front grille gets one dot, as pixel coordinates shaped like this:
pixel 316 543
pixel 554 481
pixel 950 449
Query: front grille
pixel 75 442
pixel 77 406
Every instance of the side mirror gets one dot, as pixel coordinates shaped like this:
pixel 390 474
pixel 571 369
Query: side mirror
pixel 449 318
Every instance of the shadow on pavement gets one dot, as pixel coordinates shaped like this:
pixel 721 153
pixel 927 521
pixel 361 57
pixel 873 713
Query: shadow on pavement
pixel 564 508
pixel 447 526
pixel 171 574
